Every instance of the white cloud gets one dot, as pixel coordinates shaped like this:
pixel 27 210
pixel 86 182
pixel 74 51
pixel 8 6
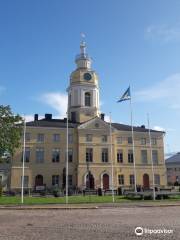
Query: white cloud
pixel 167 90
pixel 56 100
pixel 30 118
pixel 107 118
pixel 165 33
pixel 158 128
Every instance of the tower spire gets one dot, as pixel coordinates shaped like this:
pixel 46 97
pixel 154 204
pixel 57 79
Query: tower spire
pixel 83 44
pixel 83 60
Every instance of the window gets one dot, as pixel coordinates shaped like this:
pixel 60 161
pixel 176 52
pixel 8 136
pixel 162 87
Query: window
pixel 55 180
pixel 56 137
pixel 55 155
pixel 121 179
pixel 26 181
pixel 157 179
pixel 129 140
pixel 155 157
pixel 119 140
pixel 143 141
pixel 104 155
pixel 70 180
pixel 104 138
pixel 131 179
pixel 119 156
pixel 87 99
pixel 27 137
pixel 27 155
pixel 39 155
pixel 154 141
pixel 70 155
pixel 89 155
pixel 88 137
pixel 40 137
pixel 73 116
pixel 144 157
pixel 130 156
pixel 70 138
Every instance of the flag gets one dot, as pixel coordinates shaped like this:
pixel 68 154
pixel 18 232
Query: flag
pixel 125 96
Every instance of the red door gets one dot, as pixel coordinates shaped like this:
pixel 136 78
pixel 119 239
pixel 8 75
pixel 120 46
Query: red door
pixel 146 180
pixel 105 181
pixel 39 180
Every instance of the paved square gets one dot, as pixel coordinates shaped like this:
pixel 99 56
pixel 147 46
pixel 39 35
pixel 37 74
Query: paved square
pixel 86 224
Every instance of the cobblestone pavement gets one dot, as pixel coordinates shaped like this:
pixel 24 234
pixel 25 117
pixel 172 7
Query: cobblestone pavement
pixel 86 224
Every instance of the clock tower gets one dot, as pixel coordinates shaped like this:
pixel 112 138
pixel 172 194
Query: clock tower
pixel 83 92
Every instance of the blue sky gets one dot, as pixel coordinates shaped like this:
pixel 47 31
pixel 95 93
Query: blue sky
pixel 131 42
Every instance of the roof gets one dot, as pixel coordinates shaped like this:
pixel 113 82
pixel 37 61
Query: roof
pixel 58 123
pixel 123 127
pixel 61 123
pixel 173 159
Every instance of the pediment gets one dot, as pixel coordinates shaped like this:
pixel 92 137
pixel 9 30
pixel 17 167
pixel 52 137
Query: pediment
pixel 96 124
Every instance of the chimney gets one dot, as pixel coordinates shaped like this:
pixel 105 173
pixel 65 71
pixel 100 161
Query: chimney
pixel 102 116
pixel 36 117
pixel 48 116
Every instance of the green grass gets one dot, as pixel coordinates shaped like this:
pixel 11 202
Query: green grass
pixel 50 200
pixel 76 200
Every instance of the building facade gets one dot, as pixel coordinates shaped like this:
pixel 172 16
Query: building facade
pixel 92 153
pixel 173 169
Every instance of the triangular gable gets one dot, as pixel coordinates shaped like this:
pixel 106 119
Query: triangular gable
pixel 95 124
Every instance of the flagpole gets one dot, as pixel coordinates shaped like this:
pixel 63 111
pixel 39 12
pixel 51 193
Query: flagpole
pixel 134 156
pixel 23 160
pixel 112 167
pixel 67 156
pixel 152 164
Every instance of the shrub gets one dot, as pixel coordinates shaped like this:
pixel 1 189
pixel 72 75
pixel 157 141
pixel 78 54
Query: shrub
pixel 0 191
pixel 56 192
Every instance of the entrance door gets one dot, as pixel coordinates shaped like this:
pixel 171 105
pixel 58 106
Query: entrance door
pixel 146 180
pixel 105 181
pixel 89 181
pixel 39 180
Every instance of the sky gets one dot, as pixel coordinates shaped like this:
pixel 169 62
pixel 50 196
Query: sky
pixel 134 43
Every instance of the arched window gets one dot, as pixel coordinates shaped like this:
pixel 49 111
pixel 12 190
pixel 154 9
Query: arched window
pixel 87 99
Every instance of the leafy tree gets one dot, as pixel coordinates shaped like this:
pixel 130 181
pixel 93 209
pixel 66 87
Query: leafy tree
pixel 10 131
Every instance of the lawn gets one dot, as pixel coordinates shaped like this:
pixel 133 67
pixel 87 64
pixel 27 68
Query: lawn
pixel 74 200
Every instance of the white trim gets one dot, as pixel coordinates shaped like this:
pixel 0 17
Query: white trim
pixel 48 127
pixel 20 167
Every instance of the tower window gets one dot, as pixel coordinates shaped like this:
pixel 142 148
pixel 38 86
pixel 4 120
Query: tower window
pixel 87 99
pixel 73 116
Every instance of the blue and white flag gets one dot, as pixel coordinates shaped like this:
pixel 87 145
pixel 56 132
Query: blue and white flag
pixel 125 96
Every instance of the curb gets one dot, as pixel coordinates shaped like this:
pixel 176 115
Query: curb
pixel 50 207
pixel 61 207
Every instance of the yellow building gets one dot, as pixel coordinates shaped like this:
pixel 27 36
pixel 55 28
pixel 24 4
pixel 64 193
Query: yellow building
pixel 92 157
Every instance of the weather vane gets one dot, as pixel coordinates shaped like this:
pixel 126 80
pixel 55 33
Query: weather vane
pixel 83 35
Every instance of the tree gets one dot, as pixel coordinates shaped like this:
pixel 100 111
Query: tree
pixel 10 131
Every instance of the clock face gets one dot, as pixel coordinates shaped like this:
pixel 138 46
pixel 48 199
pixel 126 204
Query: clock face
pixel 87 76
